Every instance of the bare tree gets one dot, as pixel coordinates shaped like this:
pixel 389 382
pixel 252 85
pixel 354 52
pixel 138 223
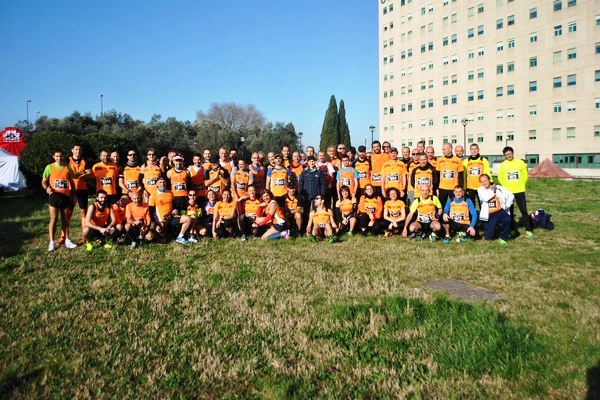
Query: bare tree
pixel 232 116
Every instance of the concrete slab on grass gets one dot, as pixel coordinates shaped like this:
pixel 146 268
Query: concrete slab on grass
pixel 463 290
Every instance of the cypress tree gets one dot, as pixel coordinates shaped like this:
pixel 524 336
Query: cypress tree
pixel 330 131
pixel 344 130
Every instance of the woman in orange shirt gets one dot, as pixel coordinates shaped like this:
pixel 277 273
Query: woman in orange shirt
pixel 370 209
pixel 225 216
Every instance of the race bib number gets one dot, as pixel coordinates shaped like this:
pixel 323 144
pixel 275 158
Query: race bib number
pixel 393 177
pixel 475 171
pixel 458 217
pixel 345 182
pixel 448 174
pixel 279 182
pixel 216 189
pixel 322 225
pixel 492 204
pixel 395 214
pixel 179 186
pixel 370 209
pixel 199 186
pixel 425 218
pixel 362 175
pixel 240 185
pixel 376 177
pixel 61 184
pixel 424 181
pixel 151 181
pixel 512 176
pixel 106 181
pixel 132 184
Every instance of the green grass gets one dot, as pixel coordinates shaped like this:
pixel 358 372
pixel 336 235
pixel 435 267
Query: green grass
pixel 291 319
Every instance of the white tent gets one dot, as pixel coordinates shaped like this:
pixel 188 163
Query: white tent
pixel 11 177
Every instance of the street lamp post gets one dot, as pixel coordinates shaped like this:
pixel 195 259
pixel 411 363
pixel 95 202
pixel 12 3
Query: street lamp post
pixel 242 140
pixel 464 123
pixel 365 141
pixel 37 115
pixel 300 134
pixel 372 129
pixel 101 105
pixel 27 105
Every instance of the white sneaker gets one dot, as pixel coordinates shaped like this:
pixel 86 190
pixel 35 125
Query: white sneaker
pixel 69 244
pixel 51 246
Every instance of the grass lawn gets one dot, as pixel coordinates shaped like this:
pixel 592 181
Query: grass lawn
pixel 292 319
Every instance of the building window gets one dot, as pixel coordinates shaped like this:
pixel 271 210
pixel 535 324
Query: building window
pixel 454 99
pixel 480 8
pixel 454 38
pixel 423 48
pixel 556 133
pixel 572 54
pixel 597 20
pixel 480 50
pixel 597 103
pixel 597 75
pixel 471 96
pixel 445 61
pixel 391 109
pixel 557 5
pixel 470 138
pixel 571 3
pixel 480 30
pixel 499 69
pixel 533 86
pixel 570 132
pixel 532 62
pixel 431 65
pixel 430 122
pixel 533 110
pixel 510 90
pixel 479 116
pixel 430 46
pixel 445 100
pixel 480 73
pixel 571 80
pixel 423 104
pixel 498 136
pixel 533 37
pixel 533 13
pixel 445 41
pixel 410 88
pixel 480 138
pixel 430 103
pixel 499 23
pixel 471 32
pixel 453 119
pixel 557 82
pixel 557 57
pixel 480 95
pixel 423 85
pixel 572 27
pixel 385 111
pixel 510 135
pixel 598 48
pixel 499 91
pixel 471 75
pixel 510 67
pixel 571 105
pixel 470 11
pixel 499 46
pixel 454 58
pixel 597 130
pixel 409 106
pixel 430 84
pixel 445 81
pixel 499 114
pixel 510 113
pixel 557 108
pixel 510 20
pixel 471 54
pixel 402 107
pixel 454 78
pixel 511 43
pixel 558 30
pixel 532 134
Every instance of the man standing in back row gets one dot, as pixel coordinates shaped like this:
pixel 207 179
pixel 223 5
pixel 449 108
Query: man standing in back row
pixel 512 174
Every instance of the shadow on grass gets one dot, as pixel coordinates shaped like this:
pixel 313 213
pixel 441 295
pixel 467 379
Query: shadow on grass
pixel 15 214
pixel 593 383
pixel 10 383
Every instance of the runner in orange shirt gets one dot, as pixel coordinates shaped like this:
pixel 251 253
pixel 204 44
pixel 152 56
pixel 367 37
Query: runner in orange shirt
pixel 100 222
pixel 138 222
pixel 107 176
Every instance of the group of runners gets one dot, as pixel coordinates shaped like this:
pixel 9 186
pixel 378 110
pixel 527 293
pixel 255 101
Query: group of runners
pixel 411 193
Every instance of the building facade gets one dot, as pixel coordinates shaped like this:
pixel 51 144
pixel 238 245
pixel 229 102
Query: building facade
pixel 519 73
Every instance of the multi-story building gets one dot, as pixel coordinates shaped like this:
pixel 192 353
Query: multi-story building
pixel 514 72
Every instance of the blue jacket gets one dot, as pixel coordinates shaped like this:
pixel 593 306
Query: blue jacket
pixel 312 183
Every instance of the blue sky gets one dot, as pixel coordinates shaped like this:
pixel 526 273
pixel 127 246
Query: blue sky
pixel 175 58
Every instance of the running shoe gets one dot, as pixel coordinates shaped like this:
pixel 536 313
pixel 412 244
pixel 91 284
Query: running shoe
pixel 350 233
pixel 193 239
pixel 133 246
pixel 433 237
pixel 412 236
pixel 447 239
pixel 244 237
pixel 333 239
pixel 69 244
pixel 530 235
pixel 51 246
pixel 285 234
pixel 502 241
pixel 462 237
pixel 388 234
pixel 89 246
pixel 108 245
pixel 312 239
pixel 182 240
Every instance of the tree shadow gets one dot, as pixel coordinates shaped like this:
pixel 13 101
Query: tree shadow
pixel 593 383
pixel 15 216
pixel 9 384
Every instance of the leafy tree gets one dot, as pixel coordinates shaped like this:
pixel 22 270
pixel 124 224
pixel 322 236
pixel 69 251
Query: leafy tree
pixel 330 130
pixel 344 130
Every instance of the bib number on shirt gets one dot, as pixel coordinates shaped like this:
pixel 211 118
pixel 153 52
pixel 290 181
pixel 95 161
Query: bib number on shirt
pixel 106 181
pixel 60 184
pixel 512 176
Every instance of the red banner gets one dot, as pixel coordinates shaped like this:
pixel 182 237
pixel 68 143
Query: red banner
pixel 12 140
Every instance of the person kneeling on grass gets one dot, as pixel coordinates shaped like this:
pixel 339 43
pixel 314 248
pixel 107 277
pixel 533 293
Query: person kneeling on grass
pixel 346 207
pixel 99 222
pixel 194 212
pixel 273 225
pixel 370 208
pixel 495 200
pixel 394 213
pixel 225 216
pixel 321 223
pixel 120 217
pixel 165 217
pixel 138 223
pixel 425 210
pixel 460 216
pixel 250 208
